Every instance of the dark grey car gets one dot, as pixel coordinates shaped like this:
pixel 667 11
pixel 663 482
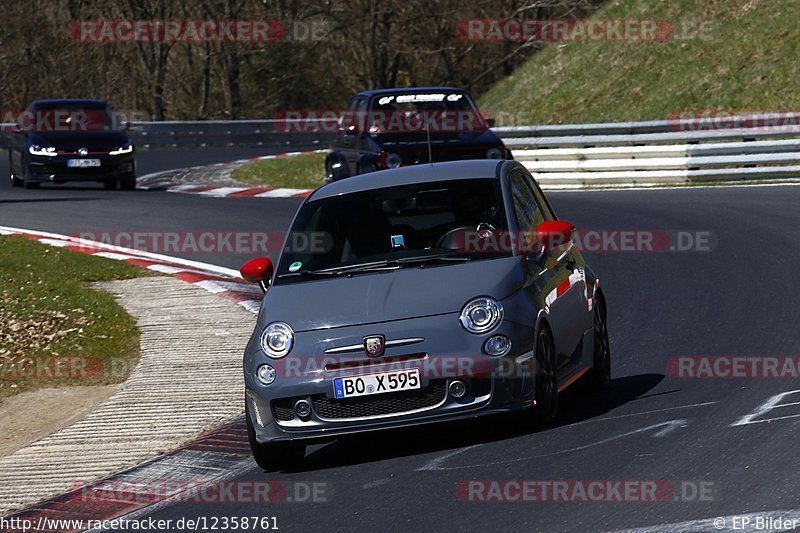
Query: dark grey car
pixel 418 295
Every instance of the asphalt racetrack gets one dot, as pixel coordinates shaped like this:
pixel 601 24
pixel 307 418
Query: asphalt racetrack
pixel 736 295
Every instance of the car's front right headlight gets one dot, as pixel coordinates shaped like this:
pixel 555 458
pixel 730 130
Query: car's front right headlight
pixel 277 339
pixel 481 315
pixel 126 149
pixel 49 151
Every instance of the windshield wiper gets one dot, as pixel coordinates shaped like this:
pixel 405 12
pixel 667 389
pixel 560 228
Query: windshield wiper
pixel 394 264
pixel 310 273
pixel 377 266
pixel 424 259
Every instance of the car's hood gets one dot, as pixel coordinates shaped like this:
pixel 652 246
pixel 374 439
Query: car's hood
pixel 395 295
pixel 93 140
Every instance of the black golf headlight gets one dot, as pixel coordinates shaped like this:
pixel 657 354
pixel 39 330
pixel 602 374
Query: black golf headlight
pixel 481 315
pixel 122 150
pixel 393 160
pixel 494 153
pixel 48 151
pixel 277 339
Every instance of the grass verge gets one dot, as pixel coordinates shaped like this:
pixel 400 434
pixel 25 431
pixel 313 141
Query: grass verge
pixel 55 330
pixel 736 56
pixel 302 171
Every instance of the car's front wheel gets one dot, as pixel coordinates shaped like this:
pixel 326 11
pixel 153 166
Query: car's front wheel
pixel 271 457
pixel 546 392
pixel 15 181
pixel 128 183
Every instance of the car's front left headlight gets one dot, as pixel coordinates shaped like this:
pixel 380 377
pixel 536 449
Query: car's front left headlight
pixel 128 148
pixel 277 339
pixel 49 151
pixel 481 315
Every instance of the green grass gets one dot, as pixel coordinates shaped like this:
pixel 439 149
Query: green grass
pixel 743 59
pixel 303 171
pixel 54 325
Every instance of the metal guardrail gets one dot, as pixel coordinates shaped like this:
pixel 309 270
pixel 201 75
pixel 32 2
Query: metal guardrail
pixel 218 133
pixel 749 147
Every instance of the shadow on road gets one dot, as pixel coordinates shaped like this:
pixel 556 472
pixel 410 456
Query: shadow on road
pixel 577 404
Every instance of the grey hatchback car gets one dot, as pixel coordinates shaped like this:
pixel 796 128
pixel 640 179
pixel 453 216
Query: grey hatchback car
pixel 418 295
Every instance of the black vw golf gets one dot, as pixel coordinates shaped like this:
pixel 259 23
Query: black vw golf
pixel 390 128
pixel 56 141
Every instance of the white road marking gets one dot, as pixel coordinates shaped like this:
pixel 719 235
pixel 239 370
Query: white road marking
pixel 667 427
pixel 771 403
pixel 279 193
pixel 220 192
pixel 139 254
pixel 376 483
pixel 689 406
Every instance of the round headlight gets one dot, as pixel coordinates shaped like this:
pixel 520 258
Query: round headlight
pixel 393 160
pixel 277 339
pixel 494 153
pixel 481 315
pixel 497 345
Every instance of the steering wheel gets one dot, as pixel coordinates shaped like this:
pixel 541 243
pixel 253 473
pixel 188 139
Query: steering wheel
pixel 483 226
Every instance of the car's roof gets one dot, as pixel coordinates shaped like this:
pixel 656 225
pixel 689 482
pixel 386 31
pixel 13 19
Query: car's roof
pixel 409 90
pixel 70 101
pixel 452 170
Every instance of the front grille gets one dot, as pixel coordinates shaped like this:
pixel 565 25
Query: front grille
pixel 283 409
pixel 481 387
pixel 384 404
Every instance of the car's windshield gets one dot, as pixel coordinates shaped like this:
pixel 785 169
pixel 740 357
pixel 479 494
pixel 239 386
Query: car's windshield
pixel 406 224
pixel 414 112
pixel 68 117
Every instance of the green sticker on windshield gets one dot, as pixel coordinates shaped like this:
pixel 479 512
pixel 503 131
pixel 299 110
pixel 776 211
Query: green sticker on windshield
pixel 294 267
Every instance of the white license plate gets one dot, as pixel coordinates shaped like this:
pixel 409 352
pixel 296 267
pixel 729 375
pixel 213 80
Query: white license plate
pixel 376 383
pixel 83 163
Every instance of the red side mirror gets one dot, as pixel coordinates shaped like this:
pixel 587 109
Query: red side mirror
pixel 554 233
pixel 490 122
pixel 258 270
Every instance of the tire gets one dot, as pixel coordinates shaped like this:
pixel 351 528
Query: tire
pixel 26 183
pixel 15 181
pixel 110 185
pixel 366 167
pixel 128 184
pixel 330 177
pixel 272 457
pixel 601 358
pixel 546 392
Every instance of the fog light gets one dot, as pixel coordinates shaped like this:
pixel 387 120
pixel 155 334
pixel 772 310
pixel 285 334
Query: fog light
pixel 497 345
pixel 302 409
pixel 266 374
pixel 458 389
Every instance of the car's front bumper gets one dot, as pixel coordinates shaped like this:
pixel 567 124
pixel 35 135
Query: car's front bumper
pixel 448 353
pixel 45 169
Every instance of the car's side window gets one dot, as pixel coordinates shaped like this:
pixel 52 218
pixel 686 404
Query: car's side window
pixel 526 210
pixel 547 213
